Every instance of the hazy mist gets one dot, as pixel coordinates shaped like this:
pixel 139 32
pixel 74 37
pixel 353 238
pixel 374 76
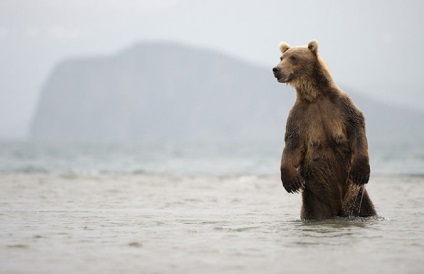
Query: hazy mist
pixel 169 91
pixel 373 47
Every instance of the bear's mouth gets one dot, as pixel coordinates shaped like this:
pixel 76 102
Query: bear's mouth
pixel 284 80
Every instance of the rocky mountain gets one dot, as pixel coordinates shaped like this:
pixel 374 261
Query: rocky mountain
pixel 171 91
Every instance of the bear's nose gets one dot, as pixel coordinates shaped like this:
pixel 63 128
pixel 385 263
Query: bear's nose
pixel 275 69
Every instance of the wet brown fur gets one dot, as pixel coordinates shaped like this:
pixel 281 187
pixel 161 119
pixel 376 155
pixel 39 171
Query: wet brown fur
pixel 326 151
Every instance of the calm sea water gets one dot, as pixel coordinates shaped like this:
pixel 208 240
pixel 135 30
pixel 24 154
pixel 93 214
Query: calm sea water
pixel 194 208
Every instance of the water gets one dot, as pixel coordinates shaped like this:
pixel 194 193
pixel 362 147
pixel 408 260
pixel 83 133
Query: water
pixel 163 208
pixel 177 158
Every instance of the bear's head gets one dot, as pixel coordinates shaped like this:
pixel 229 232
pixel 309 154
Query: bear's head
pixel 296 63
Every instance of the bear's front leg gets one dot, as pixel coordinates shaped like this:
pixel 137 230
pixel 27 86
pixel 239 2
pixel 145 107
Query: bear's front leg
pixel 360 166
pixel 290 176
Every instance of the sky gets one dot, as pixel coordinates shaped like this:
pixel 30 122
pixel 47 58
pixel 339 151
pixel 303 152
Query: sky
pixel 372 47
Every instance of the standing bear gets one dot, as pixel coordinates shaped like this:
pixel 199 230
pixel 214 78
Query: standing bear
pixel 326 151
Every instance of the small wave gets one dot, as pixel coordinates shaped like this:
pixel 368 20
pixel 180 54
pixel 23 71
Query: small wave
pixel 236 229
pixel 20 246
pixel 27 170
pixel 135 244
pixel 340 222
pixel 138 171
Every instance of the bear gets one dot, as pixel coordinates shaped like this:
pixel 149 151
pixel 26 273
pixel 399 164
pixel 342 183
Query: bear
pixel 325 156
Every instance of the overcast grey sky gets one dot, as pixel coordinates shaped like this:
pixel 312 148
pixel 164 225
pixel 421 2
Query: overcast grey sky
pixel 374 47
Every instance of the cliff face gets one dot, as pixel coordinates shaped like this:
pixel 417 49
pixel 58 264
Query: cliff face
pixel 169 91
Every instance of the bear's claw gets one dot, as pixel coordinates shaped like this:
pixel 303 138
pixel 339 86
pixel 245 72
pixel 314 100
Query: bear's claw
pixel 360 172
pixel 294 185
pixel 359 179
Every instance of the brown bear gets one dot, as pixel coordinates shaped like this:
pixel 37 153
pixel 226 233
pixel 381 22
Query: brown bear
pixel 326 150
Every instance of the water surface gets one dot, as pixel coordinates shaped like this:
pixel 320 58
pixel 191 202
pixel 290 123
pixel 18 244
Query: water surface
pixel 150 223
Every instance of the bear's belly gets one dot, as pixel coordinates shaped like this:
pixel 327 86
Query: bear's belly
pixel 328 159
pixel 334 149
pixel 325 167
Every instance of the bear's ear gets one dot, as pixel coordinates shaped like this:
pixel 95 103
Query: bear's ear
pixel 313 46
pixel 284 47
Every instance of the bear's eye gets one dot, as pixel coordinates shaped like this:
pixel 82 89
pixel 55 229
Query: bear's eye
pixel 293 58
pixel 281 58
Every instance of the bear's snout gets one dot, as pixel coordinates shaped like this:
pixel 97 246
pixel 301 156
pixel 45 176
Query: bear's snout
pixel 276 72
pixel 281 75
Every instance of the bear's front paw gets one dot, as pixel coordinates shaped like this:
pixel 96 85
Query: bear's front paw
pixel 360 173
pixel 292 181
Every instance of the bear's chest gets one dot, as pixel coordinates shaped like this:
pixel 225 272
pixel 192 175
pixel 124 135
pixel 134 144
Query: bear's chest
pixel 323 125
